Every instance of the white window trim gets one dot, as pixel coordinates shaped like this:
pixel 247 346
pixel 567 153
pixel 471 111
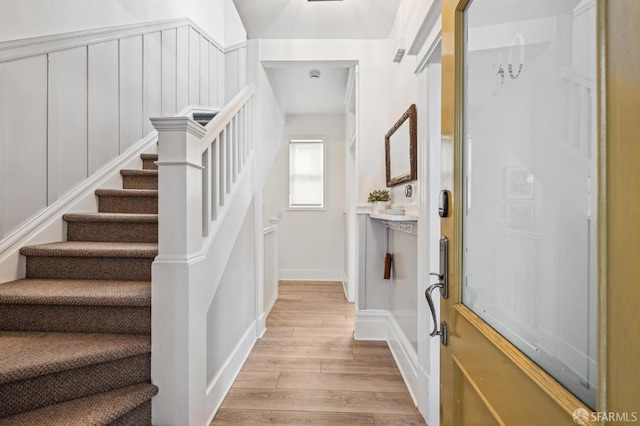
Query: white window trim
pixel 311 139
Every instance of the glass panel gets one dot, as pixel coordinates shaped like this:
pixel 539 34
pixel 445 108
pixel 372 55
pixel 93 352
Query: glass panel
pixel 400 147
pixel 305 174
pixel 530 173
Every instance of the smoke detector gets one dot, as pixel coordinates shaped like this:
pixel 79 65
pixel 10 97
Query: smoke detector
pixel 314 74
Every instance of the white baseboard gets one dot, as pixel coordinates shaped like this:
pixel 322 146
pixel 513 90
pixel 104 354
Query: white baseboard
pixel 261 323
pixel 310 275
pixel 221 383
pixel 377 324
pixel 371 324
pixel 406 358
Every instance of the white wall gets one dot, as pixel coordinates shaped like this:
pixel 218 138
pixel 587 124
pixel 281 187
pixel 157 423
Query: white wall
pixel 234 32
pixel 403 83
pixel 32 18
pixel 268 120
pixel 372 58
pixel 311 243
pixel 231 312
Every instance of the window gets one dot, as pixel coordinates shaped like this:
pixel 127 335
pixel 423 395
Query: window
pixel 306 163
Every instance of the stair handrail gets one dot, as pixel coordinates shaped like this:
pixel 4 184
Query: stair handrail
pixel 220 121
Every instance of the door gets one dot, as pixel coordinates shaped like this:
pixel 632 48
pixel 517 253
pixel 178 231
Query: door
pixel 542 228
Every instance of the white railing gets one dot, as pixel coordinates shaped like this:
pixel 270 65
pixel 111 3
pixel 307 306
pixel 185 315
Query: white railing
pixel 270 268
pixel 205 191
pixel 225 150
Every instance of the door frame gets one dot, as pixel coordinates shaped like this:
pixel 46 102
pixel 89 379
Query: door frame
pixel 428 235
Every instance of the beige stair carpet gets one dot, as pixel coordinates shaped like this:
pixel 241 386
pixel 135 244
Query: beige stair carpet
pixel 75 333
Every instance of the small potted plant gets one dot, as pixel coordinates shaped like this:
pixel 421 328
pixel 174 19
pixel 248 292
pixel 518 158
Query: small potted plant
pixel 380 200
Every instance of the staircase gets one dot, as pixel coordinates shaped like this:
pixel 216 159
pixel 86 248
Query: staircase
pixel 75 334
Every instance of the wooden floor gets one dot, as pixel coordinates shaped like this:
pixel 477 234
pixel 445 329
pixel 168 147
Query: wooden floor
pixel 308 369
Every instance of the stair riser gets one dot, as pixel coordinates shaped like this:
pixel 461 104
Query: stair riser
pixel 139 416
pixel 89 268
pixel 144 205
pixel 149 164
pixel 140 182
pixel 112 232
pixel 30 394
pixel 76 319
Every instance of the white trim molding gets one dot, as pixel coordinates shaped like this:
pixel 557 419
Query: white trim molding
pixel 406 358
pixel 219 386
pixel 310 275
pixel 381 325
pixel 236 46
pixel 34 46
pixel 371 324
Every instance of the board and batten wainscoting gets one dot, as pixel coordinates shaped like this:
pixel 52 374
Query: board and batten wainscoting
pixel 75 108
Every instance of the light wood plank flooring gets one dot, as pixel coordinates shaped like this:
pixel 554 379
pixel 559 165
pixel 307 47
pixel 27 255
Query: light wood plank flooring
pixel 308 369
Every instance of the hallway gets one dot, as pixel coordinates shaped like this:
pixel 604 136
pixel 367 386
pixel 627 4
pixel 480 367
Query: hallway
pixel 308 369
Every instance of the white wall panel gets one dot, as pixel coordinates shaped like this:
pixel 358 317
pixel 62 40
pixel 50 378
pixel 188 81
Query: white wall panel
pixel 169 72
pixel 213 76
pixel 220 56
pixel 231 74
pixel 23 139
pixel 204 71
pixel 242 72
pixel 404 283
pixel 233 307
pixel 104 134
pixel 130 91
pixel 67 128
pixel 182 68
pixel 152 64
pixel 194 67
pixel 99 91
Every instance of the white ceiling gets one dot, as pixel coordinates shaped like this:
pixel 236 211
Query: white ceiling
pixel 300 19
pixel 297 93
pixel 355 19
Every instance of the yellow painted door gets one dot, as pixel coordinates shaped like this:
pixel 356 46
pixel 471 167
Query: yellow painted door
pixel 541 161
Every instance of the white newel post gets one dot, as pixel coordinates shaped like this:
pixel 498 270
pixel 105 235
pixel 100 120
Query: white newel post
pixel 179 243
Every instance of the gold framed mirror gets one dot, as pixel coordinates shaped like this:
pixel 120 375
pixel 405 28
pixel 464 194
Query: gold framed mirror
pixel 401 147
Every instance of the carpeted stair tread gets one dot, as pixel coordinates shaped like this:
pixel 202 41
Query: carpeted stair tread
pixel 138 172
pixel 92 249
pixel 32 354
pixel 149 161
pixel 76 292
pixel 99 409
pixel 140 179
pixel 127 192
pixel 111 217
